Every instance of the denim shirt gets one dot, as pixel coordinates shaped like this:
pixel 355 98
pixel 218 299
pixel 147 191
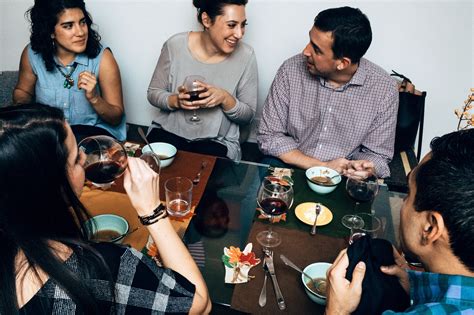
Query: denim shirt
pixel 50 90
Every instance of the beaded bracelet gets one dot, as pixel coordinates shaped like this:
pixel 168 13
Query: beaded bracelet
pixel 158 214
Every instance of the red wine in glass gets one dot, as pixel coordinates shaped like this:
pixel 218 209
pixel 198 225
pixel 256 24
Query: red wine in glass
pixel 361 193
pixel 274 198
pixel 194 95
pixel 103 172
pixel 273 206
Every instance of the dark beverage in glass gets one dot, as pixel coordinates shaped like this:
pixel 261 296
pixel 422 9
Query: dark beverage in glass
pixel 273 206
pixel 103 172
pixel 193 95
pixel 361 193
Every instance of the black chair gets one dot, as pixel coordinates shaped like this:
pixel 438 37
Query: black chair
pixel 410 121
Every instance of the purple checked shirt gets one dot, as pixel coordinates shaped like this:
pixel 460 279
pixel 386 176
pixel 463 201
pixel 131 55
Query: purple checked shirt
pixel 356 121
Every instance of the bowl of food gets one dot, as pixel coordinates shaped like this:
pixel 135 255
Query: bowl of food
pixel 165 151
pixel 322 180
pixel 106 228
pixel 315 288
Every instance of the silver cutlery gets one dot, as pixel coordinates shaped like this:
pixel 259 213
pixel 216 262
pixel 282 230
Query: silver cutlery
pixel 262 300
pixel 271 271
pixel 142 135
pixel 197 178
pixel 289 263
pixel 318 211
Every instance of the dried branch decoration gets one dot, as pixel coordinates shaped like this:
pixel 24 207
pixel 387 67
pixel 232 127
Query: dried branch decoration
pixel 464 115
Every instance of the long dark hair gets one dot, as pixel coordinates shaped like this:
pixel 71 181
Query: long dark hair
pixel 213 8
pixel 43 16
pixel 37 202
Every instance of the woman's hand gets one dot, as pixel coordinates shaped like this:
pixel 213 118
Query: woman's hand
pixel 142 185
pixel 88 83
pixel 183 101
pixel 212 96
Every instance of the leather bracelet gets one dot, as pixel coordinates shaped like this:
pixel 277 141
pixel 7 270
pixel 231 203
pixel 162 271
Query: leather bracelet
pixel 158 214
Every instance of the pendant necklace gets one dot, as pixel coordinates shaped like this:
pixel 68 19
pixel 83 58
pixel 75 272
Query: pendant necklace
pixel 68 82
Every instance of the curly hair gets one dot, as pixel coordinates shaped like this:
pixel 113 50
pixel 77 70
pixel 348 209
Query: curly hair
pixel 43 16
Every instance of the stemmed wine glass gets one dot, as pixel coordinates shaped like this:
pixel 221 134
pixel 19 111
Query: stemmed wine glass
pixel 106 159
pixel 361 190
pixel 193 90
pixel 274 198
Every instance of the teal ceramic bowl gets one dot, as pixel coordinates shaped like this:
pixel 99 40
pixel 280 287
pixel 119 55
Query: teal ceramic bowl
pixel 322 171
pixel 315 270
pixel 165 151
pixel 106 228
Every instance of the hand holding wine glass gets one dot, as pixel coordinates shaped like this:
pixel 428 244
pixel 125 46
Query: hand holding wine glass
pixel 274 198
pixel 192 88
pixel 106 159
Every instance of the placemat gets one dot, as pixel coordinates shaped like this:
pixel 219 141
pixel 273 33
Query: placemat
pixel 301 248
pixel 337 201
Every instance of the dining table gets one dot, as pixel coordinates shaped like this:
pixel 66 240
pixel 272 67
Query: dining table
pixel 224 214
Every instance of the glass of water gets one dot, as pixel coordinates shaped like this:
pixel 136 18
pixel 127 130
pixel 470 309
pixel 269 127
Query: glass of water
pixel 179 194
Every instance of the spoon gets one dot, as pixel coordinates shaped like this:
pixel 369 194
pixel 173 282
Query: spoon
pixel 323 179
pixel 126 234
pixel 142 135
pixel 289 263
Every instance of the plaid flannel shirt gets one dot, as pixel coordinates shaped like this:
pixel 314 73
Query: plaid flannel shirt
pixel 141 287
pixel 439 294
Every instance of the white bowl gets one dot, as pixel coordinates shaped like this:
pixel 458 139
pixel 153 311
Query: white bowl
pixel 106 224
pixel 315 270
pixel 322 171
pixel 165 151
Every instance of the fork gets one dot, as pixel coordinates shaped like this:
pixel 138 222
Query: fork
pixel 318 211
pixel 197 178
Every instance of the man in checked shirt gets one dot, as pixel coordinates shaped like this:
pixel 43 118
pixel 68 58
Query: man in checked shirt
pixel 329 106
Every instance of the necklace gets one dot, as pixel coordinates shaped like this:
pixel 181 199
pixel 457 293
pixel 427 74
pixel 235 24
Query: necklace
pixel 68 82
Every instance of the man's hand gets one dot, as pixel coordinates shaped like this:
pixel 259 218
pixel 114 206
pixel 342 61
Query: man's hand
pixel 398 270
pixel 340 165
pixel 360 169
pixel 343 296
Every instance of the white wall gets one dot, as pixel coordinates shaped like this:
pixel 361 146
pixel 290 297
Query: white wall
pixel 429 41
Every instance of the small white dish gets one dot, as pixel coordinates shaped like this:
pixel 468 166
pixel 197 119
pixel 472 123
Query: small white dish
pixel 165 151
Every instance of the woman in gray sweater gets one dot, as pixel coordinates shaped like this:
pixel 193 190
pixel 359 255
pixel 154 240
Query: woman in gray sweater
pixel 228 95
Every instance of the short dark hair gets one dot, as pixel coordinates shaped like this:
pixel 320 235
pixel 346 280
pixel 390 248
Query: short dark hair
pixel 445 183
pixel 43 16
pixel 213 8
pixel 350 30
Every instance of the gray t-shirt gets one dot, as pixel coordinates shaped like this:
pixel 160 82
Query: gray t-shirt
pixel 237 74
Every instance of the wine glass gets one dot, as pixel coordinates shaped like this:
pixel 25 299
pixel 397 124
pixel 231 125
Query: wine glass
pixel 274 198
pixel 106 159
pixel 193 90
pixel 361 190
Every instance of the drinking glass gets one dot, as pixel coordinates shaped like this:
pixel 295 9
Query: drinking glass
pixel 179 193
pixel 106 159
pixel 193 90
pixel 371 227
pixel 361 190
pixel 274 198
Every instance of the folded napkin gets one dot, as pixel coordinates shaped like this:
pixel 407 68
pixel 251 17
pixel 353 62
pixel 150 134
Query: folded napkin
pixel 380 292
pixel 237 264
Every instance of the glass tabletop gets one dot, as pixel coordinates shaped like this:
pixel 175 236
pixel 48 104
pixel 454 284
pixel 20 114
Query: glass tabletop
pixel 226 212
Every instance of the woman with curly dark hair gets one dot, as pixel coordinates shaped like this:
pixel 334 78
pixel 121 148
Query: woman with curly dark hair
pixel 66 66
